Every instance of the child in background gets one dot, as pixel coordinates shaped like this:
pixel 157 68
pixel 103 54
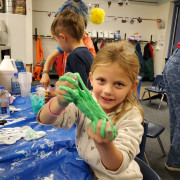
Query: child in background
pixel 68 29
pixel 58 56
pixel 114 78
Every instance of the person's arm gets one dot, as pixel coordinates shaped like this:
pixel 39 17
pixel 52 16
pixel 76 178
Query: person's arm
pixel 116 154
pixel 45 80
pixel 45 117
pixel 110 156
pixel 55 107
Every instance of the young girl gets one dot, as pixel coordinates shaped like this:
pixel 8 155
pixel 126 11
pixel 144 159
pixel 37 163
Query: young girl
pixel 114 78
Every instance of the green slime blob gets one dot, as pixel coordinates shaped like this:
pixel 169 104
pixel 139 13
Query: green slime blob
pixel 86 104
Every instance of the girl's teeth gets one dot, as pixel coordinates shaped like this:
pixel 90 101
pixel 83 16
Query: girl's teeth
pixel 107 99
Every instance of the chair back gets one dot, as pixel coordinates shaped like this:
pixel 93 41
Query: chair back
pixel 158 82
pixel 147 172
pixel 143 142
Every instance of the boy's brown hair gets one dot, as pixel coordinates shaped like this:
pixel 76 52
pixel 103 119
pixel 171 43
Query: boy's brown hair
pixel 69 22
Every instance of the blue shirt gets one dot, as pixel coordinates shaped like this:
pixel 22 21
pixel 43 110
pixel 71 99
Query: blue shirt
pixel 59 49
pixel 80 60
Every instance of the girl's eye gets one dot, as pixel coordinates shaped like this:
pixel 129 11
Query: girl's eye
pixel 100 80
pixel 119 84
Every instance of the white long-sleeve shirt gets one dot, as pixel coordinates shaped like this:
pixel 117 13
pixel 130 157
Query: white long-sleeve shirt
pixel 129 134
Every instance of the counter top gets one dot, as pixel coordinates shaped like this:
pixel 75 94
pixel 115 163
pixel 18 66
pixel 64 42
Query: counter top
pixel 5 47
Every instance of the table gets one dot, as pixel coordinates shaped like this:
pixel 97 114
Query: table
pixel 53 156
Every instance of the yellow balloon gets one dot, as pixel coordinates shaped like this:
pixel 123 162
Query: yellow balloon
pixel 97 16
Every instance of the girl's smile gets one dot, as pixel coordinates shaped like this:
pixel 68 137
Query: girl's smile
pixel 107 100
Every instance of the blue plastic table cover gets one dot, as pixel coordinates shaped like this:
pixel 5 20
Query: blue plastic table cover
pixel 53 156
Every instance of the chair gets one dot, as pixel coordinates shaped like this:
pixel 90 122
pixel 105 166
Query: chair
pixel 147 172
pixel 151 130
pixel 154 131
pixel 143 142
pixel 157 87
pixel 139 86
pixel 142 153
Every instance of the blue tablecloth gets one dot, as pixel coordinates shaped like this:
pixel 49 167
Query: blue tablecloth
pixel 53 156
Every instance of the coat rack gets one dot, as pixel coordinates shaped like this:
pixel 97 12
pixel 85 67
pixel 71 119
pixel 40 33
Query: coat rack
pixel 120 17
pixel 44 36
pixel 143 41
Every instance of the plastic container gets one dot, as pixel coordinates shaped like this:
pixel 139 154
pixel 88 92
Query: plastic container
pixel 4 103
pixel 25 80
pixel 15 87
pixel 37 101
pixel 8 64
pixel 7 70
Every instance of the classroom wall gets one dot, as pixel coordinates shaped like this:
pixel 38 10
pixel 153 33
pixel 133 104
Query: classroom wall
pixel 148 27
pixel 165 12
pixel 16 35
pixel 22 27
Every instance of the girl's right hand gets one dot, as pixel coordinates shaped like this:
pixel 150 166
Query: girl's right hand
pixel 60 92
pixel 45 80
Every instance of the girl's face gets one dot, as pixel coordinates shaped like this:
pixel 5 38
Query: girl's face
pixel 110 86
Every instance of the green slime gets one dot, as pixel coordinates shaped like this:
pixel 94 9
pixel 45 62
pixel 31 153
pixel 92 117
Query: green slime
pixel 86 104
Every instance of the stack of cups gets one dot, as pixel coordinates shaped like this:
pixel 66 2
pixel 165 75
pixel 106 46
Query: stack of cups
pixel 25 80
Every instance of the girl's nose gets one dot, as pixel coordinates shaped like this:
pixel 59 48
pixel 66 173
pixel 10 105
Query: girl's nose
pixel 108 89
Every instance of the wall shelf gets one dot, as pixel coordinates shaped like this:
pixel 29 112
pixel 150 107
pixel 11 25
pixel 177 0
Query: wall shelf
pixel 4 50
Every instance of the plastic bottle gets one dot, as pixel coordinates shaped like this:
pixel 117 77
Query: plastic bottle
pixel 15 87
pixel 4 103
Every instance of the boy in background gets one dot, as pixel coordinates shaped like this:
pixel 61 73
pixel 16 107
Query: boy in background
pixel 68 29
pixel 58 57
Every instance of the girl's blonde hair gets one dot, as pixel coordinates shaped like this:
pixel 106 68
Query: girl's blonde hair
pixel 123 54
pixel 70 22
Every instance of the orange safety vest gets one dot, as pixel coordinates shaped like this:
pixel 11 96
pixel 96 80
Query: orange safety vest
pixel 39 50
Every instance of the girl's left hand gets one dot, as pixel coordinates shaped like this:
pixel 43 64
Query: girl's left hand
pixel 97 137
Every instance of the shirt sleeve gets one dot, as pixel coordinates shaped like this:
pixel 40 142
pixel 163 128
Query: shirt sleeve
pixel 59 49
pixel 66 120
pixel 130 132
pixel 129 136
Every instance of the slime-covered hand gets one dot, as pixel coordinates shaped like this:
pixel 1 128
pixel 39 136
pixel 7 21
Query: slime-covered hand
pixel 85 102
